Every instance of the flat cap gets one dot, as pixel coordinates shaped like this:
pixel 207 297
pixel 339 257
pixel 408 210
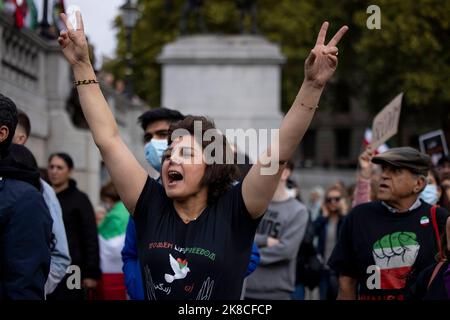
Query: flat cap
pixel 405 157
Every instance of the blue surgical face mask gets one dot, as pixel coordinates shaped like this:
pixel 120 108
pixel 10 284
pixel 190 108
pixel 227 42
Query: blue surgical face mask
pixel 430 194
pixel 154 151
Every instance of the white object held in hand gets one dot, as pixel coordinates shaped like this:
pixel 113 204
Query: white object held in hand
pixel 72 17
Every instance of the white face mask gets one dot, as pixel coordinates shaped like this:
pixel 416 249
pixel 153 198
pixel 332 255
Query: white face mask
pixel 291 192
pixel 430 194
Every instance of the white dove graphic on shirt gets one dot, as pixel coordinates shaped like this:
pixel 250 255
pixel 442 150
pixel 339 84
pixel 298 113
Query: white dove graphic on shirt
pixel 180 269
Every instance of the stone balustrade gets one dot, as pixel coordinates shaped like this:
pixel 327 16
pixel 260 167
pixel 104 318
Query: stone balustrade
pixel 36 76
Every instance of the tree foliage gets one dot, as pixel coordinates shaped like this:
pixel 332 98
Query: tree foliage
pixel 410 53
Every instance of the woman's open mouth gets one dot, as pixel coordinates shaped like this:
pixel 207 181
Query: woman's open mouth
pixel 174 177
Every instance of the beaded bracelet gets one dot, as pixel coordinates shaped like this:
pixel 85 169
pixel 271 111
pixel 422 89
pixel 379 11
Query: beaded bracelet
pixel 83 82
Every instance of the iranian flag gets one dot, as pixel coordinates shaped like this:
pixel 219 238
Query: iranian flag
pixel 31 17
pixel 8 7
pixel 111 234
pixel 395 254
pixel 13 8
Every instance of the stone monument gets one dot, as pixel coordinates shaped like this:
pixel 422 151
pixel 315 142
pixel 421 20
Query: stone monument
pixel 235 80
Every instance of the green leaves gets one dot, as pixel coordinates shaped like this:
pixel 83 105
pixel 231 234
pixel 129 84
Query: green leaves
pixel 411 52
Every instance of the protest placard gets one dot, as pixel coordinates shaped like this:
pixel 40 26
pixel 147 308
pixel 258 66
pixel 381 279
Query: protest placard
pixel 434 144
pixel 385 124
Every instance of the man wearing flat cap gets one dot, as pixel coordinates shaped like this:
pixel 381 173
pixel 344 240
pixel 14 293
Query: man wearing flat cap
pixel 384 244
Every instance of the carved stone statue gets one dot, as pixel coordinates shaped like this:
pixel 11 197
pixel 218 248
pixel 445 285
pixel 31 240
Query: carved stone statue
pixel 247 8
pixel 196 7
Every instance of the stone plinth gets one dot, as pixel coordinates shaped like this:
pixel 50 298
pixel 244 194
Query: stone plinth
pixel 235 80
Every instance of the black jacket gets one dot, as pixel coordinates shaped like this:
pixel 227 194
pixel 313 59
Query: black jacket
pixel 320 230
pixel 81 230
pixel 25 233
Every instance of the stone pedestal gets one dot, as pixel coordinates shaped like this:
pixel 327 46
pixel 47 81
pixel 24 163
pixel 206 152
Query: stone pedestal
pixel 235 80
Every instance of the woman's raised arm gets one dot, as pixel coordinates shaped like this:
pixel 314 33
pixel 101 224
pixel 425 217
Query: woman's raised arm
pixel 127 174
pixel 260 183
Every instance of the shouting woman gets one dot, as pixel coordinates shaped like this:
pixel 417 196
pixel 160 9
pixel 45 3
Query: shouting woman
pixel 194 232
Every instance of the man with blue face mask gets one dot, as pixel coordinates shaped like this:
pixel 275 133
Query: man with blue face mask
pixel 155 123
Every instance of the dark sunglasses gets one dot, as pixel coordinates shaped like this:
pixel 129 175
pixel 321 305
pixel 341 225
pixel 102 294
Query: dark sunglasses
pixel 335 199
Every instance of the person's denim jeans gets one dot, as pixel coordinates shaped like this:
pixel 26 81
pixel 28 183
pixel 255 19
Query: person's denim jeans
pixel 299 292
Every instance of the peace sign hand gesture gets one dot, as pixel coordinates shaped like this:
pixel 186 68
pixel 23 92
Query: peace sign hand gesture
pixel 322 61
pixel 73 42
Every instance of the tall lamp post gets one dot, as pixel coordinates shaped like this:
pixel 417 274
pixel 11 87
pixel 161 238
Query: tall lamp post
pixel 45 26
pixel 130 15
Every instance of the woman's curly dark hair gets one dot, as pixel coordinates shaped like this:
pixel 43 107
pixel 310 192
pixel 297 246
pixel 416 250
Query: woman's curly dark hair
pixel 218 177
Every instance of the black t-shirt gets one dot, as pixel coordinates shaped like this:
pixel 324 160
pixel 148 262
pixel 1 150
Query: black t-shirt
pixel 205 259
pixel 383 250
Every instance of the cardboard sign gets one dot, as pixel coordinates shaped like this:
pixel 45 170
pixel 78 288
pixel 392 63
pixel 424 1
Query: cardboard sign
pixel 434 144
pixel 385 124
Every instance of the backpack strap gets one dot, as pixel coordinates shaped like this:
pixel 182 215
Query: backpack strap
pixel 436 232
pixel 435 272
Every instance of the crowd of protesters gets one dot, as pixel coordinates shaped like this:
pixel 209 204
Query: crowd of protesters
pixel 189 229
